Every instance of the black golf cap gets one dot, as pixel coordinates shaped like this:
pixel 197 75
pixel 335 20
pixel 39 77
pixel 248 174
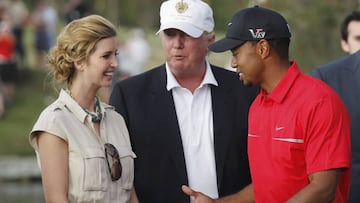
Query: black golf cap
pixel 252 24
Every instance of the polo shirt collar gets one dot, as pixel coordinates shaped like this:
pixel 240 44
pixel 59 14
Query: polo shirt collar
pixel 281 90
pixel 208 78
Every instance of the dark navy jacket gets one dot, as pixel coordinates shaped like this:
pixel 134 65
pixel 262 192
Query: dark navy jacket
pixel 150 115
pixel 343 75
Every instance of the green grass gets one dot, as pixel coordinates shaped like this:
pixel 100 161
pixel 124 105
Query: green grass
pixel 22 114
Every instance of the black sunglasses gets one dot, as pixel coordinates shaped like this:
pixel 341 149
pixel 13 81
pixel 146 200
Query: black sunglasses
pixel 113 161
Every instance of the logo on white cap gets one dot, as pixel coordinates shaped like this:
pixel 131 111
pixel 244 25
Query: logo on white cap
pixel 181 6
pixel 190 16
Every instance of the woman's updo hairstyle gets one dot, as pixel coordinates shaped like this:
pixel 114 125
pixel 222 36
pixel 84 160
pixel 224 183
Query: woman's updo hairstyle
pixel 76 42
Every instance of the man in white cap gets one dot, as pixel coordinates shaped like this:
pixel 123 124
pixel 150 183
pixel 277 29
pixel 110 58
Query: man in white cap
pixel 187 119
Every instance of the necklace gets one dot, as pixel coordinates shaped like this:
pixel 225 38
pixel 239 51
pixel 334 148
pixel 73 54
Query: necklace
pixel 97 116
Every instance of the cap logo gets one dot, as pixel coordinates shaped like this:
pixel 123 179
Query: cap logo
pixel 258 34
pixel 181 6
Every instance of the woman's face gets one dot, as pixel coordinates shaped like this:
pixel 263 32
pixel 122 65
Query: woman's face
pixel 102 63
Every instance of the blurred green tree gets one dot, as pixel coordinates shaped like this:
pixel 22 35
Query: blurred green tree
pixel 315 24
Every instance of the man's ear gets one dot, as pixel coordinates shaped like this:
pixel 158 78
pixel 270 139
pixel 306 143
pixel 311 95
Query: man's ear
pixel 211 38
pixel 263 48
pixel 345 46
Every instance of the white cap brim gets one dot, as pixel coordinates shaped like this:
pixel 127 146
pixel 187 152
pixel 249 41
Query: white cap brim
pixel 185 27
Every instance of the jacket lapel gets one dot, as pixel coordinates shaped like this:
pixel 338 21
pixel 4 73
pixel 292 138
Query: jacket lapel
pixel 222 111
pixel 164 103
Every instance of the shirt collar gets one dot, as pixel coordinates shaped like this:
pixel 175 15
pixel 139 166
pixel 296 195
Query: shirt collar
pixel 209 78
pixel 75 108
pixel 280 91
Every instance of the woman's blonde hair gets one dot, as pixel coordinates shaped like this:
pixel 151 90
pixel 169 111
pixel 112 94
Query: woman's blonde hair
pixel 76 42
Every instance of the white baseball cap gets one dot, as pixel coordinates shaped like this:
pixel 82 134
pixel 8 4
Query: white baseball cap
pixel 190 16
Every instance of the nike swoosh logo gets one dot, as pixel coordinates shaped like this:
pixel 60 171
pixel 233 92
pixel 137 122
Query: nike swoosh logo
pixel 293 140
pixel 279 128
pixel 252 135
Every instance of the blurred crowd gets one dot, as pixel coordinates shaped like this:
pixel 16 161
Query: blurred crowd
pixel 44 20
pixel 14 18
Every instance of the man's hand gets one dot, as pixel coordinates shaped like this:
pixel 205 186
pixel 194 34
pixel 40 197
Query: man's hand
pixel 198 196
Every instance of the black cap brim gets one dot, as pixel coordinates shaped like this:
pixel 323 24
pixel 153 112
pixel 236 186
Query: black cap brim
pixel 225 44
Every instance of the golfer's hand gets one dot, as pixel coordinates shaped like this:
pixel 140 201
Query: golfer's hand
pixel 198 196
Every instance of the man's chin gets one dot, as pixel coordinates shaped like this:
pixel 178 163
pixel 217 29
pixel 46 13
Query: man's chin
pixel 247 83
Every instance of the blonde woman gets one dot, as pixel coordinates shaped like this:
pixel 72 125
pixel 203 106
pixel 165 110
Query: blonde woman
pixel 82 144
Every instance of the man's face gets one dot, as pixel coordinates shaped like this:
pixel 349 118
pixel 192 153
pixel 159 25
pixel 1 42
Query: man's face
pixel 185 54
pixel 352 44
pixel 248 64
